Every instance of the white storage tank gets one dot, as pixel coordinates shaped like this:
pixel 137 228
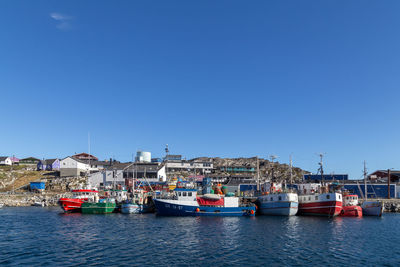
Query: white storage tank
pixel 143 156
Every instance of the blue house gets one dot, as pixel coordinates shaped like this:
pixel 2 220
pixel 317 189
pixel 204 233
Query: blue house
pixel 49 165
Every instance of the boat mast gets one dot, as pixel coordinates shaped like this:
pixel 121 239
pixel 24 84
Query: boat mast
pixel 365 181
pixel 291 170
pixel 258 175
pixel 321 169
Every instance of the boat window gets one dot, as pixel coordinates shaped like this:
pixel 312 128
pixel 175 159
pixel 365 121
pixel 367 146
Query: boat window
pixel 309 198
pixel 189 194
pixel 271 198
pixel 339 196
pixel 280 198
pixel 184 194
pixel 179 193
pixel 328 196
pixel 316 197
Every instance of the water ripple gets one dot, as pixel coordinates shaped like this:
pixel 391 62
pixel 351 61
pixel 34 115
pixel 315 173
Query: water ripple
pixel 44 236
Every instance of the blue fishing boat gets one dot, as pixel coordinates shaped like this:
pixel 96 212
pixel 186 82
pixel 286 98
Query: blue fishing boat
pixel 185 202
pixel 139 203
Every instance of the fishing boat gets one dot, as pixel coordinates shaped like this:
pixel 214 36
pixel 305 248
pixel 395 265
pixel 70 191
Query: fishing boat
pixel 139 203
pixel 38 204
pixel 350 206
pixel 73 204
pixel 319 199
pixel 370 207
pixel 278 202
pixel 103 206
pixel 320 204
pixel 1 205
pixel 185 202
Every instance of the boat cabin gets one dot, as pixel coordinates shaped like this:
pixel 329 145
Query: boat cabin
pixel 84 193
pixel 185 194
pixel 350 200
pixel 119 195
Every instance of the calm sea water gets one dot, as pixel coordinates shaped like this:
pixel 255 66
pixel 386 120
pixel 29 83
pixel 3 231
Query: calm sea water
pixel 45 236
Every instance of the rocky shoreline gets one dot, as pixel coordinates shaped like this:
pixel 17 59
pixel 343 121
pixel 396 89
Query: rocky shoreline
pixel 30 199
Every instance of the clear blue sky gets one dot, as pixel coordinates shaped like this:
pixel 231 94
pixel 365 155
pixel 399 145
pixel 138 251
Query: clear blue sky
pixel 210 78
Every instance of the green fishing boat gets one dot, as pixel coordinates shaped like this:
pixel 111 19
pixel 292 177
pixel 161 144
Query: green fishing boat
pixel 98 208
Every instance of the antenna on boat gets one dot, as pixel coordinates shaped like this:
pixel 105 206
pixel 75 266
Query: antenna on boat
pixel 321 167
pixel 272 158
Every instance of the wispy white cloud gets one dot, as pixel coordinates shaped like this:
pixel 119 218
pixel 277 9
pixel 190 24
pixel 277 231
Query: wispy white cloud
pixel 64 21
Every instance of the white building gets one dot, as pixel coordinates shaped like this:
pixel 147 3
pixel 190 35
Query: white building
pixel 72 167
pixel 5 161
pixel 143 156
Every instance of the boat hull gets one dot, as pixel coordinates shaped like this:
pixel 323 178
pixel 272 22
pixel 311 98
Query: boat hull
pixel 284 208
pixel 71 204
pixel 325 208
pixel 351 211
pixel 372 208
pixel 168 209
pixel 134 209
pixel 97 208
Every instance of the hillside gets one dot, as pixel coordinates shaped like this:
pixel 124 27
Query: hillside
pixel 17 176
pixel 268 169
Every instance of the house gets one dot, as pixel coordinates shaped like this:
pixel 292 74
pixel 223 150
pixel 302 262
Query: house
pixel 29 161
pixel 142 171
pixel 49 165
pixel 382 176
pixel 5 161
pixel 73 167
pixel 85 156
pixel 14 160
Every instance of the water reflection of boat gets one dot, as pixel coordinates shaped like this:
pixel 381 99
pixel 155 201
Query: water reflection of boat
pixel 185 202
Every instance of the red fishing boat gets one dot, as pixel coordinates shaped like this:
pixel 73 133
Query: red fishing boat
pixel 73 204
pixel 350 206
pixel 320 204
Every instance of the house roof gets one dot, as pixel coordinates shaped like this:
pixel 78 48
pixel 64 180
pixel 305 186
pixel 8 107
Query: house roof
pixel 48 161
pixel 84 156
pixel 29 159
pixel 3 158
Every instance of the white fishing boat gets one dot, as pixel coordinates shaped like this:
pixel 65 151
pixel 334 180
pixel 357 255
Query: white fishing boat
pixel 370 207
pixel 278 202
pixel 1 205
